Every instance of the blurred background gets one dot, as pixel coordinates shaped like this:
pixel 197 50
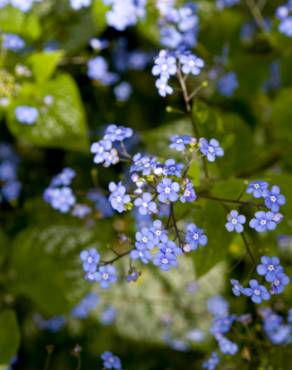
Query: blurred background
pixel 48 61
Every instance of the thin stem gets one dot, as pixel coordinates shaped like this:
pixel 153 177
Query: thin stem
pixel 255 11
pixel 50 350
pixel 78 366
pixel 175 225
pixel 248 248
pixel 191 116
pixel 226 200
pixel 104 263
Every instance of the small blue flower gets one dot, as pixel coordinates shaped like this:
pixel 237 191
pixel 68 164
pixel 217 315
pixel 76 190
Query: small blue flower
pixel 117 133
pixel 144 164
pixel 211 149
pixel 104 153
pixel 97 69
pixel 190 64
pixel 189 194
pixel 269 267
pixel 142 253
pixel 145 204
pixel 164 64
pixel 179 142
pixel 227 347
pixel 88 303
pixel 61 199
pixel 26 114
pixel 132 276
pixel 160 234
pixel 12 42
pixel 257 188
pixel 285 26
pixel 7 171
pixel 195 237
pixel 163 88
pixel 78 4
pixel 227 84
pixel 218 306
pixel 263 221
pixel 221 4
pixel 165 261
pixel 221 325
pixel 168 191
pixel 118 198
pixel 63 178
pixel 278 285
pixel 11 190
pixel 274 199
pixel 235 222
pixel 145 238
pixel 106 275
pixel 123 91
pixel 237 288
pixel 110 361
pixel 90 259
pixel 81 210
pixel 257 292
pixel 212 362
pixel 171 168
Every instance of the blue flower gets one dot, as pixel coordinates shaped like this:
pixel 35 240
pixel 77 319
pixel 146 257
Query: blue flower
pixel 227 347
pixel 106 275
pixel 23 5
pixel 221 4
pixel 144 164
pixel 263 221
pixel 167 255
pixel 78 4
pixel 195 237
pixel 189 194
pixel 179 142
pixel 110 361
pixel 82 309
pixel 191 64
pixel 145 204
pixel 26 114
pixel 278 285
pixel 218 306
pixel 164 64
pixel 269 268
pixel 235 222
pixel 257 292
pixel 145 238
pixel 132 276
pixel 63 178
pixel 61 199
pixel 285 26
pixel 81 210
pixel 274 199
pixel 159 233
pixel 142 253
pixel 171 168
pixel 12 42
pixel 90 259
pixel 7 171
pixel 212 362
pixel 237 288
pixel 123 91
pixel 118 198
pixel 117 133
pixel 167 191
pixel 11 190
pixel 227 84
pixel 221 325
pixel 163 87
pixel 257 188
pixel 211 149
pixel 98 70
pixel 104 153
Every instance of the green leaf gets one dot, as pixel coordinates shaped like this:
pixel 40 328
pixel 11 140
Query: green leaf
pixel 46 266
pixel 9 336
pixel 11 20
pixel 99 10
pixel 212 218
pixel 282 114
pixel 44 64
pixel 32 27
pixel 59 125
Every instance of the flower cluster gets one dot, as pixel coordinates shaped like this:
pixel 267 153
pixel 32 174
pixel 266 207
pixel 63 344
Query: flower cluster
pixel 88 303
pixel 94 271
pixel 284 14
pixel 59 194
pixel 273 274
pixel 178 27
pixel 78 4
pixel 227 84
pixel 275 328
pixel 107 150
pixel 9 185
pixel 124 13
pixel 168 64
pixel 26 114
pixel 222 322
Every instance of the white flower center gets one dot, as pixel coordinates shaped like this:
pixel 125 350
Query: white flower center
pixel 273 198
pixel 270 267
pixel 164 261
pixel 167 190
pixel 277 282
pixel 263 222
pixel 119 199
pixel 256 186
pixel 145 239
pixel 234 221
pixel 257 292
pixel 196 236
pixel 105 276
